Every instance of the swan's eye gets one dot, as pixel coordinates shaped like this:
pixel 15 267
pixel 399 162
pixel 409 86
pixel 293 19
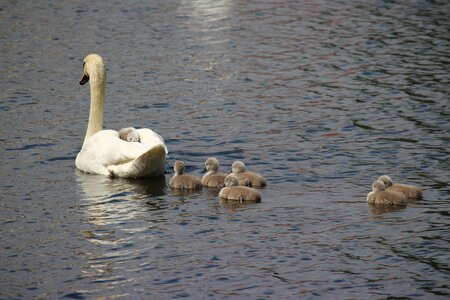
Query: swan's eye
pixel 84 64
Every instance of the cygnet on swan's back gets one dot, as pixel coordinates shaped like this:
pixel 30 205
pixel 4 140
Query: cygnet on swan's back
pixel 213 178
pixel 184 181
pixel 129 134
pixel 380 196
pixel 410 192
pixel 247 178
pixel 236 192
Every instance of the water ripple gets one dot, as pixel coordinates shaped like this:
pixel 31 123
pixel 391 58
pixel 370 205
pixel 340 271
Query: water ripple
pixel 321 97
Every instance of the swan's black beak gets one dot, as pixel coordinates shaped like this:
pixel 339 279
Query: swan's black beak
pixel 203 171
pixel 84 79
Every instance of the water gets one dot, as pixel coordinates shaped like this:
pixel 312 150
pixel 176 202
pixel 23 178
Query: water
pixel 321 97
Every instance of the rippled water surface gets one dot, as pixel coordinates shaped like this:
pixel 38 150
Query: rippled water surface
pixel 321 97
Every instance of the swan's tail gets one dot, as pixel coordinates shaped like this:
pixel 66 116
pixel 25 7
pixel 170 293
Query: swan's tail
pixel 151 163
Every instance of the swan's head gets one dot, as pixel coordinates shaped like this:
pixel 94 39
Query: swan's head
pixel 93 69
pixel 378 186
pixel 212 164
pixel 178 167
pixel 231 180
pixel 238 167
pixel 386 180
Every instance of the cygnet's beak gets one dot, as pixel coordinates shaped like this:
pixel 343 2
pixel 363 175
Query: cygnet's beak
pixel 204 170
pixel 84 79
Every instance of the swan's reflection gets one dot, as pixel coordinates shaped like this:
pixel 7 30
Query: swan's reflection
pixel 117 214
pixel 107 201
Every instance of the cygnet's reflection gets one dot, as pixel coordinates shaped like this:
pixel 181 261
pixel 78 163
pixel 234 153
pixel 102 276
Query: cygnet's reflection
pixel 232 204
pixel 379 209
pixel 383 209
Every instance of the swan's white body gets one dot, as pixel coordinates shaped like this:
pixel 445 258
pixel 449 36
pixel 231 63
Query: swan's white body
pixel 103 152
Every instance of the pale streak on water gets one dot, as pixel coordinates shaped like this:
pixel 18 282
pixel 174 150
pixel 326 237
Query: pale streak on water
pixel 321 97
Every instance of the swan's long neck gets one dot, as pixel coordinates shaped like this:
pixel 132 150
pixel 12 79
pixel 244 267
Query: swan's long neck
pixel 97 87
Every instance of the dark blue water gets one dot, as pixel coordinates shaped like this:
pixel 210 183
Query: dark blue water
pixel 321 97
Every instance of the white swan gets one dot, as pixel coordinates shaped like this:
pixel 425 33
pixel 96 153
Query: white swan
pixel 103 152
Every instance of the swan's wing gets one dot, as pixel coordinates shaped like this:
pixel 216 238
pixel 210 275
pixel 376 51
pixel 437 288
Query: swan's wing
pixel 108 149
pixel 151 163
pixel 105 149
pixel 150 139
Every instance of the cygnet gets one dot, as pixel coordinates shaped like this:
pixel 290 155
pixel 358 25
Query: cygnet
pixel 379 195
pixel 213 178
pixel 129 134
pixel 236 192
pixel 184 181
pixel 247 178
pixel 410 192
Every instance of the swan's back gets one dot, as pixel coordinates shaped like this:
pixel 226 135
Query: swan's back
pixel 150 139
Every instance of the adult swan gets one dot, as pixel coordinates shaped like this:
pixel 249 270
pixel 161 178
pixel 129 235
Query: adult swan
pixel 103 152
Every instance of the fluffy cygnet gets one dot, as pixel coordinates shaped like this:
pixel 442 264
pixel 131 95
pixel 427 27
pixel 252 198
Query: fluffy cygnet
pixel 184 181
pixel 234 191
pixel 247 178
pixel 129 134
pixel 410 192
pixel 380 196
pixel 213 178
